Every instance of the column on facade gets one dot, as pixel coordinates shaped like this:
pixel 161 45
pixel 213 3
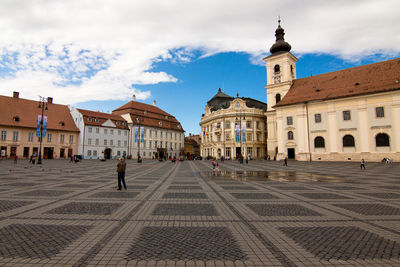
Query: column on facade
pixel 363 126
pixel 301 130
pixel 280 132
pixel 332 129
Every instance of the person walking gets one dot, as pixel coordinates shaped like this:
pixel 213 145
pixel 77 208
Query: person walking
pixel 285 162
pixel 362 166
pixel 121 167
pixel 15 159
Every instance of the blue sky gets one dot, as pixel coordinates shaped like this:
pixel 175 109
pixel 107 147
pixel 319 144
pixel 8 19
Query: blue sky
pixel 96 54
pixel 199 80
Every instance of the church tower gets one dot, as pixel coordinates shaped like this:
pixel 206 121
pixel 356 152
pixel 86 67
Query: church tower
pixel 281 72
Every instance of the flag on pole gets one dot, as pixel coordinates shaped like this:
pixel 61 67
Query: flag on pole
pixel 39 120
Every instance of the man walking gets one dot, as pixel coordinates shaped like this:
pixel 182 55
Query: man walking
pixel 121 166
pixel 362 164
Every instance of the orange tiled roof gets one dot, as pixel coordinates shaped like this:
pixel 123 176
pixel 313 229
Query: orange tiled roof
pixel 367 79
pixel 150 115
pixel 27 111
pixel 101 118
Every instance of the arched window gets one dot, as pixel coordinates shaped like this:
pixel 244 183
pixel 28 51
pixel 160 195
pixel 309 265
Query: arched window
pixel 290 135
pixel 348 141
pixel 277 98
pixel 277 69
pixel 382 139
pixel 319 141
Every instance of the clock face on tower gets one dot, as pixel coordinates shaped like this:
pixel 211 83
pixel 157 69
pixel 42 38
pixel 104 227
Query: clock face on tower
pixel 277 79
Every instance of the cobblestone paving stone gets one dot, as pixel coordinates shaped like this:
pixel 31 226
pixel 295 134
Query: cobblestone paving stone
pixel 257 214
pixel 343 243
pixel 281 210
pixel 37 241
pixel 185 195
pixel 254 196
pixel 185 243
pixel 370 209
pixel 176 209
pixel 6 205
pixel 99 208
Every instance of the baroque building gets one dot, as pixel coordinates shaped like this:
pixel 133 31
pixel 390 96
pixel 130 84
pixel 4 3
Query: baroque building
pixel 348 114
pixel 154 133
pixel 233 127
pixel 18 129
pixel 102 135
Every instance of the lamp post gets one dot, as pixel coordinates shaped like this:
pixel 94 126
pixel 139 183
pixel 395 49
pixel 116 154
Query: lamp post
pixel 139 119
pixel 240 133
pixel 43 106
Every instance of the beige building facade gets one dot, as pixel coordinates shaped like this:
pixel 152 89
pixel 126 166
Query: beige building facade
pixel 233 128
pixel 18 121
pixel 350 114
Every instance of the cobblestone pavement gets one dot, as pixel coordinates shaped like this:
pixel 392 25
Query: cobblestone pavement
pixel 184 214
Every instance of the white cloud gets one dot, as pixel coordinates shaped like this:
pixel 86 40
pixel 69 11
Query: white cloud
pixel 80 50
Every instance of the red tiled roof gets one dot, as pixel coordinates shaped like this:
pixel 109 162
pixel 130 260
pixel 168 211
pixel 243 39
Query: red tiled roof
pixel 367 79
pixel 150 115
pixel 102 118
pixel 27 111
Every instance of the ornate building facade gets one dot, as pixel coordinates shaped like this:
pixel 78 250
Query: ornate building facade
pixel 348 114
pixel 233 128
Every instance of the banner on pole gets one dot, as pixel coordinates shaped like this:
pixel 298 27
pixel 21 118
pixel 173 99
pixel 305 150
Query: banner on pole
pixel 38 125
pixel 244 131
pixel 136 134
pixel 141 134
pixel 237 133
pixel 44 130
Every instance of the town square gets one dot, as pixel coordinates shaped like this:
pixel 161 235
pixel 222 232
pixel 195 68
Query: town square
pixel 262 213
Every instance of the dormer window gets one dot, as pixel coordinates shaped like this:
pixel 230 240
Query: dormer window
pixel 118 123
pixel 179 126
pixel 237 105
pixel 16 119
pixel 160 123
pixel 62 123
pixel 89 119
pixel 124 123
pixel 96 120
pixel 166 117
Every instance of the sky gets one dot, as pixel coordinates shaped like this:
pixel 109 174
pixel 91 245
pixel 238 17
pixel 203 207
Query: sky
pixel 96 54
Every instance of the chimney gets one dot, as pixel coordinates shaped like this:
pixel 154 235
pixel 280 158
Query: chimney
pixel 50 100
pixel 133 98
pixel 154 103
pixel 16 94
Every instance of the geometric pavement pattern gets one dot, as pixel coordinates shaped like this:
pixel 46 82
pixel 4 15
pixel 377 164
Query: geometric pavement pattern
pixel 370 209
pixel 86 208
pixel 185 195
pixel 37 241
pixel 185 210
pixel 254 196
pixel 185 243
pixel 281 210
pixel 343 243
pixel 6 205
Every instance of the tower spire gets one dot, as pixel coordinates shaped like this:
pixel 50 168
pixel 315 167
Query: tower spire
pixel 280 45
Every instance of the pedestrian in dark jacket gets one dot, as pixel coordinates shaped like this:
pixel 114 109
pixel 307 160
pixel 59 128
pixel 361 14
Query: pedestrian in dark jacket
pixel 121 166
pixel 362 164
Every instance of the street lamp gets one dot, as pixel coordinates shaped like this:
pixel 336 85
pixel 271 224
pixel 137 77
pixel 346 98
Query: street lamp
pixel 240 133
pixel 43 106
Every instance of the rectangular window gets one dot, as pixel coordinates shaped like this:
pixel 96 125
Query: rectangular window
pixel 227 152
pixel 125 143
pixel 248 124
pixel 111 142
pixel 126 133
pixel 119 142
pixel 346 115
pixel 89 141
pixel 30 137
pixel 49 136
pixel 118 153
pixel 258 137
pixel 71 139
pixel 380 112
pixel 62 139
pixel 227 137
pixel 155 133
pixel 97 130
pixel 227 125
pixel 90 129
pixel 111 131
pixel 289 120
pixel 257 125
pixel 119 132
pixel 3 135
pixel 155 143
pixel 249 137
pixel 105 131
pixel 144 143
pixel 150 143
pixel 97 142
pixel 317 118
pixel 95 153
pixel 15 136
pixel 89 153
pixel 105 142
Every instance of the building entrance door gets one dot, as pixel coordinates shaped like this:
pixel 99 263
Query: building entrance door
pixel 107 153
pixel 238 152
pixel 26 152
pixel 62 153
pixel 290 152
pixel 48 153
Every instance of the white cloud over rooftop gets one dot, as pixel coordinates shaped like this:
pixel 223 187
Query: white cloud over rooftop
pixel 81 50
